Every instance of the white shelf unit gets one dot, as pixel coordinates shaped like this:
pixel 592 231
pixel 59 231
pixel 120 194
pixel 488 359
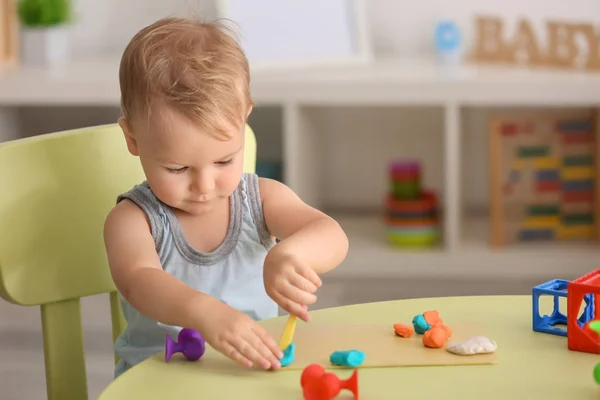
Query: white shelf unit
pixel 371 258
pixel 304 95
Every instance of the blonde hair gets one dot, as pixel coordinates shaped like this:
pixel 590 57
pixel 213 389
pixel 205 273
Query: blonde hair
pixel 192 67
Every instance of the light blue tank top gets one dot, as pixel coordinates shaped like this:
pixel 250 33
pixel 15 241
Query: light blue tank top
pixel 233 273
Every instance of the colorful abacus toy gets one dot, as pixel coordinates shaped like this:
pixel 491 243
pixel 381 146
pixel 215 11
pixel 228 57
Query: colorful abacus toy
pixel 411 216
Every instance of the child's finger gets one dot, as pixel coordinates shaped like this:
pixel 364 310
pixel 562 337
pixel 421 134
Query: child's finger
pixel 249 349
pixel 304 315
pixel 292 307
pixel 231 352
pixel 303 283
pixel 268 340
pixel 263 346
pixel 296 309
pixel 299 296
pixel 310 274
pixel 266 357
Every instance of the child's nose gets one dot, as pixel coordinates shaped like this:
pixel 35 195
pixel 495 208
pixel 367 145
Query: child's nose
pixel 203 183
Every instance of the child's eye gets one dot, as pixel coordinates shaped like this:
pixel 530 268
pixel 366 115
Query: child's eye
pixel 176 170
pixel 226 162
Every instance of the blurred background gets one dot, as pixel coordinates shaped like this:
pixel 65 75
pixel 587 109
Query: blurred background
pixel 378 114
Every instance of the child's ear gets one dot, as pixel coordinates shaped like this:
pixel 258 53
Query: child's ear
pixel 129 137
pixel 249 111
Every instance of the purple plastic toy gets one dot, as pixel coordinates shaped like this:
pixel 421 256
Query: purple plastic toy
pixel 189 342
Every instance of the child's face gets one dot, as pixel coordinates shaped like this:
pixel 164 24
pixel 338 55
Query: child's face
pixel 187 168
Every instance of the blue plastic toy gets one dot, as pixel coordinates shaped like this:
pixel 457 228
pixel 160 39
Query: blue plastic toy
pixel 420 324
pixel 347 358
pixel 547 323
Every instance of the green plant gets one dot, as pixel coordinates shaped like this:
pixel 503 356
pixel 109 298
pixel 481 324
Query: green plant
pixel 44 13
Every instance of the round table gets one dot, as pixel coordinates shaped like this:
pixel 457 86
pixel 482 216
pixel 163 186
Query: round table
pixel 530 365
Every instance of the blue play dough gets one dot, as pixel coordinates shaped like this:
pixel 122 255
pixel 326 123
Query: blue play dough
pixel 347 358
pixel 288 355
pixel 420 325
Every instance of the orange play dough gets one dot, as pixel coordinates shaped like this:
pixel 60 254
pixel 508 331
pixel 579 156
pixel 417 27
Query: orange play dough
pixel 432 317
pixel 435 337
pixel 434 320
pixel 403 330
pixel 447 329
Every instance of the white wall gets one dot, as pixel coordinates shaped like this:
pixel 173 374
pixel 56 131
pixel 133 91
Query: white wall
pixel 105 26
pixel 398 28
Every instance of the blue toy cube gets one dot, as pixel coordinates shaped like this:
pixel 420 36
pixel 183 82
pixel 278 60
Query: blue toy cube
pixel 546 323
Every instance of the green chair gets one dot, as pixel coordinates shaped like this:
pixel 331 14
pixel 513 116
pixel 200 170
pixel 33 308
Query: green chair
pixel 55 192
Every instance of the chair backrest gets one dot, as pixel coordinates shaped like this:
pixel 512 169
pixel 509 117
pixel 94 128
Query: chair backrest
pixel 55 192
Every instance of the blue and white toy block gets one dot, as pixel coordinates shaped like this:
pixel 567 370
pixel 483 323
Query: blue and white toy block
pixel 546 323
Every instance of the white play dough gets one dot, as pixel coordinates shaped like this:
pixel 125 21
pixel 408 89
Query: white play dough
pixel 472 346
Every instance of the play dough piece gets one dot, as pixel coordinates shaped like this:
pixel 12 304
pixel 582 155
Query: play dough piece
pixel 473 345
pixel 419 324
pixel 347 358
pixel 432 317
pixel 403 330
pixel 447 329
pixel 288 355
pixel 435 337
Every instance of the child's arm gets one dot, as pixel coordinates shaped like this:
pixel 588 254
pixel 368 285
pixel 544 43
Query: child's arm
pixel 311 243
pixel 302 229
pixel 138 275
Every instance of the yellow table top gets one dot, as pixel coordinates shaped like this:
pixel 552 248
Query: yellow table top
pixel 531 365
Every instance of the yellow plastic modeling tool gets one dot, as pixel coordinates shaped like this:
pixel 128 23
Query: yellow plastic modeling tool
pixel 288 333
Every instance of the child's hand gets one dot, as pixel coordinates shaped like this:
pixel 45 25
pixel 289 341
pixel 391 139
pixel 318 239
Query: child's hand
pixel 237 336
pixel 290 282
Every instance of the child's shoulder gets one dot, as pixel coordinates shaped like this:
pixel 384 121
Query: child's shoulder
pixel 272 189
pixel 126 214
pixel 284 211
pixel 263 188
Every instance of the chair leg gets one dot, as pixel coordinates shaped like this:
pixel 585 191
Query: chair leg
pixel 63 351
pixel 118 320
